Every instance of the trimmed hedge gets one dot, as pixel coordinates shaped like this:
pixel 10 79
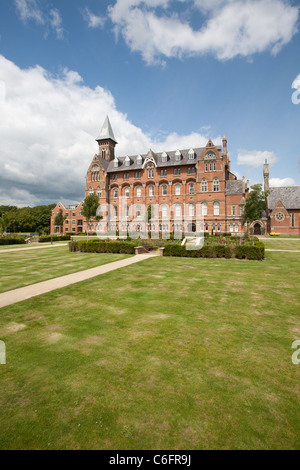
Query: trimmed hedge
pixel 12 241
pixel 101 246
pixel 256 252
pixel 54 238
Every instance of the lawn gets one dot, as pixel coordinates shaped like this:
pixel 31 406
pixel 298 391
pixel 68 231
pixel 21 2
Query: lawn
pixel 166 354
pixel 23 268
pixel 288 244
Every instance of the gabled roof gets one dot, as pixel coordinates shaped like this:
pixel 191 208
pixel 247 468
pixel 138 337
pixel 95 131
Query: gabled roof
pixel 234 187
pixel 171 162
pixel 289 196
pixel 106 131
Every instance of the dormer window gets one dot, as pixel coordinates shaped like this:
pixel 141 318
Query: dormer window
pixel 139 160
pixel 116 163
pixel 164 158
pixel 127 161
pixel 191 154
pixel 177 156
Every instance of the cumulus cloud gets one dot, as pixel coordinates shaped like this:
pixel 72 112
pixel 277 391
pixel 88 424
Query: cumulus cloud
pixel 42 13
pixel 231 27
pixel 278 182
pixel 296 94
pixel 255 158
pixel 48 128
pixel 93 21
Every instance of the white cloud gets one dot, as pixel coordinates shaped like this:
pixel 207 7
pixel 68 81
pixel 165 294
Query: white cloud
pixel 48 128
pixel 232 28
pixel 278 182
pixel 42 13
pixel 296 83
pixel 93 20
pixel 255 158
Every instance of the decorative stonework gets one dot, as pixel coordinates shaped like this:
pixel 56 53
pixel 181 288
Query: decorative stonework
pixel 279 216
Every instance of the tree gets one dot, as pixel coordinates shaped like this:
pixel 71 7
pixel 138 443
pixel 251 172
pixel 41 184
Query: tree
pixel 255 204
pixel 59 219
pixel 89 209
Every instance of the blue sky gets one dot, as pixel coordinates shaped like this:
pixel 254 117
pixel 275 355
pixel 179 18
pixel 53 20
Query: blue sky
pixel 170 74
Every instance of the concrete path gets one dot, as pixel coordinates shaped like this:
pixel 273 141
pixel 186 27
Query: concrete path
pixel 286 251
pixel 24 293
pixel 32 248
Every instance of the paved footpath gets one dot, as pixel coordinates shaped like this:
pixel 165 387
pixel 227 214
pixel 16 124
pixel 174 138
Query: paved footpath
pixel 24 293
pixel 32 248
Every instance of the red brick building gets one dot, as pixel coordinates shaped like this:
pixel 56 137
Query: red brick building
pixel 177 182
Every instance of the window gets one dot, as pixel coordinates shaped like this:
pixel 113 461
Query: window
pixel 126 192
pixel 206 166
pixel 138 175
pixel 214 227
pixel 73 222
pixel 177 156
pixel 126 211
pixel 161 172
pixel 204 185
pixel 177 189
pixel 191 210
pixel 127 161
pixel 91 191
pixel 206 227
pixel 99 192
pixel 191 188
pixel 216 185
pixel 179 172
pixel 151 190
pixel 231 227
pixel 66 222
pixel 193 170
pixel 150 173
pixel 66 229
pixel 116 163
pixel 191 154
pixel 138 211
pixel 139 191
pixel 293 220
pixel 219 227
pixel 214 166
pixel 210 166
pixel 139 160
pixel 115 214
pixel 178 210
pixel 233 210
pixel 164 210
pixel 175 171
pixel 164 189
pixel 204 208
pixel 216 208
pixel 74 214
pixel 115 192
pixel 236 227
pixel 164 157
pixel 189 171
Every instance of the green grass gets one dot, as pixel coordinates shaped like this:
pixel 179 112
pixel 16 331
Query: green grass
pixel 288 244
pixel 23 268
pixel 165 354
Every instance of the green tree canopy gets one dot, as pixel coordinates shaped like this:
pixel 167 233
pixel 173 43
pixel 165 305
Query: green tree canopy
pixel 255 204
pixel 89 208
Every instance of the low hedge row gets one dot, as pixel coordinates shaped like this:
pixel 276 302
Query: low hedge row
pixel 99 246
pixel 251 252
pixel 54 238
pixel 12 241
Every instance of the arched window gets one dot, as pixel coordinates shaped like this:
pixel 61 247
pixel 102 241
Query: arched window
pixel 99 192
pixel 151 190
pixel 204 185
pixel 126 192
pixel 177 189
pixel 204 208
pixel 164 190
pixel 115 213
pixel 138 211
pixel 139 191
pixel 177 210
pixel 164 210
pixel 115 192
pixel 216 185
pixel 216 208
pixel 91 191
pixel 191 210
pixel 191 188
pixel 214 166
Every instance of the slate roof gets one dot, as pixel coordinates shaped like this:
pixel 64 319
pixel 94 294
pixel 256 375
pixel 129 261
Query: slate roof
pixel 289 196
pixel 234 187
pixel 106 131
pixel 171 162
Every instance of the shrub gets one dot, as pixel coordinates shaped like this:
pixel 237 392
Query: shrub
pixel 54 238
pixel 12 241
pixel 251 252
pixel 101 246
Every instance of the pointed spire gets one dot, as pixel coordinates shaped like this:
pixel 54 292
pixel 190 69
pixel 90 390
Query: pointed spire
pixel 106 131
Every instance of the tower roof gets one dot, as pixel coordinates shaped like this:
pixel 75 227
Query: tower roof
pixel 106 131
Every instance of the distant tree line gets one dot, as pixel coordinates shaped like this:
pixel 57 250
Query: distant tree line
pixel 25 219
